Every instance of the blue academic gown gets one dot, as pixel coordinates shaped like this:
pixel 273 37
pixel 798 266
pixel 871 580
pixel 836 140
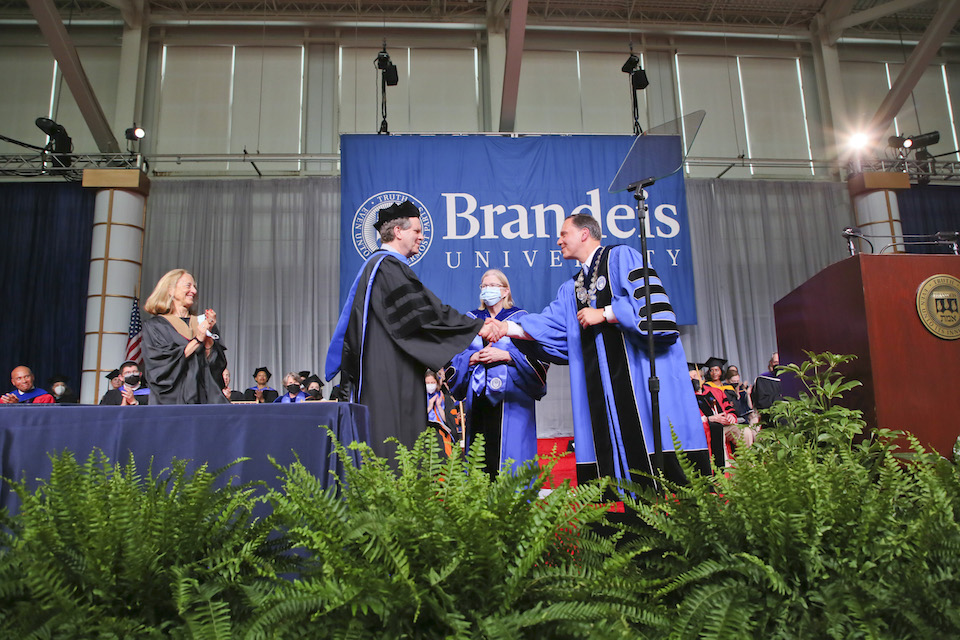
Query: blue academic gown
pixel 500 399
pixel 609 369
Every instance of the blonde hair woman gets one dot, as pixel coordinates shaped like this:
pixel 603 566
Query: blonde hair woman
pixel 182 357
pixel 498 384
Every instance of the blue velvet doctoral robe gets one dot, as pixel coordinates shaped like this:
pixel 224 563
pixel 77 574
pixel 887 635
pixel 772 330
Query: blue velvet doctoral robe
pixel 500 399
pixel 609 369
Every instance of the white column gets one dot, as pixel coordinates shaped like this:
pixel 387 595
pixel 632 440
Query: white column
pixel 116 256
pixel 875 207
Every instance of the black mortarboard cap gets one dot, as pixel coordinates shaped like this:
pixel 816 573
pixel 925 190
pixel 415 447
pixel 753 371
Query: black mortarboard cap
pixel 714 361
pixel 303 375
pixel 694 366
pixel 113 374
pixel 396 211
pixel 265 370
pixel 313 378
pixel 59 377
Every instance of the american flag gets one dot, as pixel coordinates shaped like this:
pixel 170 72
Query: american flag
pixel 135 334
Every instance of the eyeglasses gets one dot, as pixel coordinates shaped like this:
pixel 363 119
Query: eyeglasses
pixel 498 286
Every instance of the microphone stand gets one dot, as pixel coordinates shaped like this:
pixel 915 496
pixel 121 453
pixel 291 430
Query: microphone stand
pixel 637 188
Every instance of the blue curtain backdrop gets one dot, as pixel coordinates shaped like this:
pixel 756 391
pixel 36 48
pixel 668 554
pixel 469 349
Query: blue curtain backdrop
pixel 45 261
pixel 926 210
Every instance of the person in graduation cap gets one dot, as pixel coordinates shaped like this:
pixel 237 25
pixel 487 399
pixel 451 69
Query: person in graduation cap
pixel 313 388
pixel 61 391
pixel 183 360
pixel 498 384
pixel 24 392
pixel 390 330
pixel 598 325
pixel 132 392
pixel 261 392
pixel 115 381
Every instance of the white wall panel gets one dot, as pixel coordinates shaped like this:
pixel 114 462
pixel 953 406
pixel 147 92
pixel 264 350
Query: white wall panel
pixel 102 67
pixel 267 85
pixel 605 95
pixel 864 87
pixel 711 83
pixel 195 97
pixel 443 83
pixel 776 124
pixel 26 74
pixel 549 94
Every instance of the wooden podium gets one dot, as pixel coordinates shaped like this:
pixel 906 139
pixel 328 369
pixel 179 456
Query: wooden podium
pixel 867 305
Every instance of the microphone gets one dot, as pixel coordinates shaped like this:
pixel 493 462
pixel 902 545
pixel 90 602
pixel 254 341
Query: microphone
pixel 849 233
pixel 951 238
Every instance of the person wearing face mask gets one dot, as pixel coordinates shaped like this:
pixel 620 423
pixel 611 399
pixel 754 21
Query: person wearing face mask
pixel 314 388
pixel 61 392
pixel 294 392
pixel 498 384
pixel 132 392
pixel 436 411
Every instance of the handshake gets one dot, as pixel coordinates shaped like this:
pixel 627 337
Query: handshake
pixel 493 330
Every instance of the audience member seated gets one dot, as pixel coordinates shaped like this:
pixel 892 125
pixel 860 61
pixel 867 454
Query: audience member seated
pixel 294 392
pixel 61 392
pixel 741 403
pixel 260 392
pixel 24 392
pixel 314 387
pixel 132 391
pixel 230 394
pixel 115 380
pixel 766 389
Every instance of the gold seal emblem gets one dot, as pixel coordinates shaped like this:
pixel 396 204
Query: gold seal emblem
pixel 938 305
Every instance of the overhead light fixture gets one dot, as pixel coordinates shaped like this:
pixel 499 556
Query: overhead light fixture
pixel 389 77
pixel 632 63
pixel 60 143
pixel 638 82
pixel 922 141
pixel 135 133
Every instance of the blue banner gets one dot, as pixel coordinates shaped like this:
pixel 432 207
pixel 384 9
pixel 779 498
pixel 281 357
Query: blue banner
pixel 498 202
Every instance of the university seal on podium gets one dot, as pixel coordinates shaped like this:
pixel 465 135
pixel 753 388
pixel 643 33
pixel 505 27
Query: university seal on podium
pixel 938 305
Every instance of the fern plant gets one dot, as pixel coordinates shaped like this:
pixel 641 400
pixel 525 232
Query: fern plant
pixel 432 547
pixel 101 551
pixel 813 534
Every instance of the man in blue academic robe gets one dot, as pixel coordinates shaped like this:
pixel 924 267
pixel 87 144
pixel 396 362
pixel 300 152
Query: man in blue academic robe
pixel 598 325
pixel 24 392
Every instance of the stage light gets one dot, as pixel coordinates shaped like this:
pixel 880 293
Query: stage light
pixel 390 73
pixel 858 141
pixel 135 133
pixel 632 63
pixel 922 141
pixel 60 143
pixel 639 79
pixel 897 142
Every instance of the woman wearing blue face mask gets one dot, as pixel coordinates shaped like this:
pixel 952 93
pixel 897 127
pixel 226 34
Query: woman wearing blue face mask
pixel 499 385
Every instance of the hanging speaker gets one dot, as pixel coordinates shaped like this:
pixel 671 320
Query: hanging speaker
pixel 639 78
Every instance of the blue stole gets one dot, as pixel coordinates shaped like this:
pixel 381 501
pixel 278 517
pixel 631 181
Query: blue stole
pixel 335 351
pixel 285 398
pixel 142 391
pixel 29 395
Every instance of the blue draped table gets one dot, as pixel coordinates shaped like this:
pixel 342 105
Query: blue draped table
pixel 215 434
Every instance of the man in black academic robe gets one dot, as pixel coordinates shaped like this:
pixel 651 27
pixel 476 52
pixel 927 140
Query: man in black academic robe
pixel 385 341
pixel 131 392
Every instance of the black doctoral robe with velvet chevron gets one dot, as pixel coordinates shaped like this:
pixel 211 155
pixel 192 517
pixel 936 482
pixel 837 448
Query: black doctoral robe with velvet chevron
pixel 394 335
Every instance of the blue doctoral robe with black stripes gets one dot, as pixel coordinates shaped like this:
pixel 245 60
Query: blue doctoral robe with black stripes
pixel 500 399
pixel 609 369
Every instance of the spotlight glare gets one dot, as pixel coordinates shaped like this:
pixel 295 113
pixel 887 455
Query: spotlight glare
pixel 134 133
pixel 858 141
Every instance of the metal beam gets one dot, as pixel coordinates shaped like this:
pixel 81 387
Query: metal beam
pixel 511 67
pixel 66 54
pixel 940 27
pixel 877 12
